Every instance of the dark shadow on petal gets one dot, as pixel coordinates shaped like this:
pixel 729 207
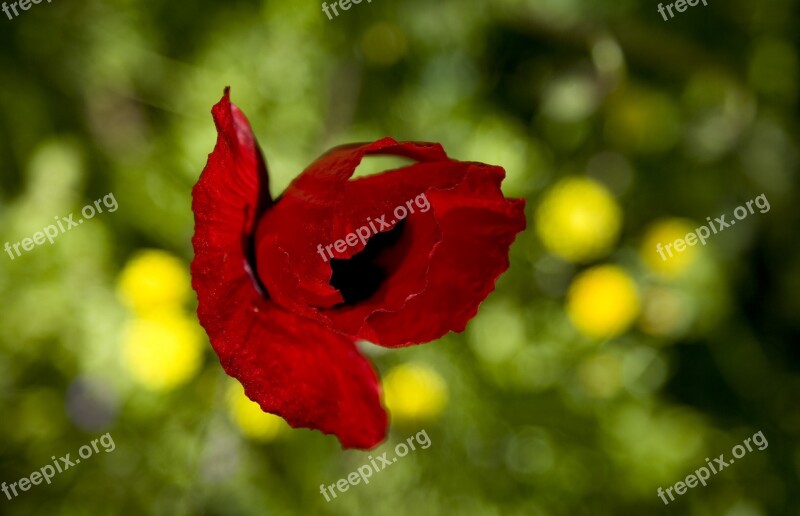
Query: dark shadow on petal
pixel 359 277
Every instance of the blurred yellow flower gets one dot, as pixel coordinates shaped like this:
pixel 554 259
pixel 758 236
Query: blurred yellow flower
pixel 154 280
pixel 413 393
pixel 248 416
pixel 162 351
pixel 602 301
pixel 578 220
pixel 666 231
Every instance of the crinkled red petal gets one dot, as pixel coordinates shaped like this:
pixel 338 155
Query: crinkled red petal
pixel 478 226
pixel 323 206
pixel 291 366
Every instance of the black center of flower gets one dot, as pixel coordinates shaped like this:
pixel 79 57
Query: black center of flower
pixel 359 277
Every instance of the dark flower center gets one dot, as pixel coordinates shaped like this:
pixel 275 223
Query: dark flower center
pixel 361 276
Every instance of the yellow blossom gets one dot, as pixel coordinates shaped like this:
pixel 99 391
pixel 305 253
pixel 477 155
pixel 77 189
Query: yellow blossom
pixel 162 351
pixel 154 280
pixel 578 220
pixel 602 301
pixel 414 392
pixel 665 232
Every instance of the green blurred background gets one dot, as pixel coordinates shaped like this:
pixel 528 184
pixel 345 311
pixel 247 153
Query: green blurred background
pixel 594 374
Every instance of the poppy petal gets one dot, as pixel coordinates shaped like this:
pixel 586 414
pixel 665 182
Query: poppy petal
pixel 478 227
pixel 423 288
pixel 227 200
pixel 311 377
pixel 291 366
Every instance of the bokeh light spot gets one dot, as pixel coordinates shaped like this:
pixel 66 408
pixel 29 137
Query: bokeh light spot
pixel 578 220
pixel 162 351
pixel 414 393
pixel 154 280
pixel 602 302
pixel 666 231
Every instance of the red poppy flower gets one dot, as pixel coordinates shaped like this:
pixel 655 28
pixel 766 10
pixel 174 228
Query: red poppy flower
pixel 286 286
